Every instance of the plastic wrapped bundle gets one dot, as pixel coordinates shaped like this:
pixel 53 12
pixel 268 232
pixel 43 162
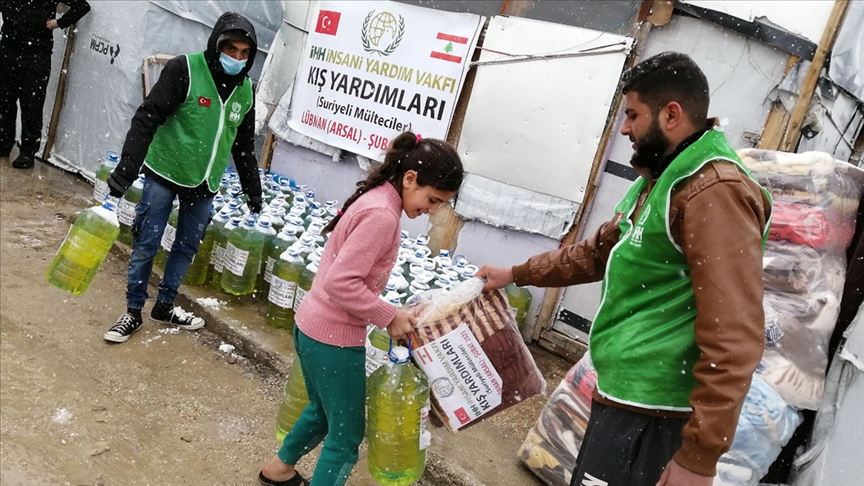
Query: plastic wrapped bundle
pixel 800 270
pixel 815 202
pixel 467 343
pixel 814 179
pixel 551 446
pixel 765 425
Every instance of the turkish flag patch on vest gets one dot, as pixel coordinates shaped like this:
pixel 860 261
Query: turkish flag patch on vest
pixel 203 101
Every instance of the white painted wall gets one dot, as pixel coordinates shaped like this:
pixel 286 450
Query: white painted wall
pixel 537 124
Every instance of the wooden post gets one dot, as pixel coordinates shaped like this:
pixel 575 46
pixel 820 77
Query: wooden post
pixel 60 96
pixel 447 224
pixel 778 118
pixel 516 8
pixel 793 130
pixel 267 150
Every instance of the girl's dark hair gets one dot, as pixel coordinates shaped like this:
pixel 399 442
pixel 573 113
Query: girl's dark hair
pixel 435 161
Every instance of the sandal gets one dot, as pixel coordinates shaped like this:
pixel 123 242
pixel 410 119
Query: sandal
pixel 297 480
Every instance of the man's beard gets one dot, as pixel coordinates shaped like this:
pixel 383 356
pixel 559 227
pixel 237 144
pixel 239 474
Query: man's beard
pixel 650 150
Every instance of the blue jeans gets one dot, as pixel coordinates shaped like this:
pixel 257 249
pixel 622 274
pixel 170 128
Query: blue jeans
pixel 151 217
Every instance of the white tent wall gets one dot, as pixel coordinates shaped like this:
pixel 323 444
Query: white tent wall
pixel 104 87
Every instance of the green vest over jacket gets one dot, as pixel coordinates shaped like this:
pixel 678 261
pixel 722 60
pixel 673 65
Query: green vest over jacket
pixel 642 342
pixel 194 144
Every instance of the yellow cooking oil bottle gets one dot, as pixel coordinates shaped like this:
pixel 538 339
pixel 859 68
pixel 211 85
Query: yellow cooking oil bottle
pixel 85 248
pixel 294 400
pixel 397 399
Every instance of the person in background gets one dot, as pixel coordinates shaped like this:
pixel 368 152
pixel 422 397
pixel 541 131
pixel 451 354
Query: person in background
pixel 418 176
pixel 680 328
pixel 199 113
pixel 25 66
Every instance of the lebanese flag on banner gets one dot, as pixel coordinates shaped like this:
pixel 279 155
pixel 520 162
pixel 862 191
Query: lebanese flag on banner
pixel 450 47
pixel 328 22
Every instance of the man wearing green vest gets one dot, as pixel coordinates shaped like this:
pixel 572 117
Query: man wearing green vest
pixel 198 115
pixel 680 327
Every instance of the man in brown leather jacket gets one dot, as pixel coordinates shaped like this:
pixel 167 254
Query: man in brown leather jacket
pixel 716 221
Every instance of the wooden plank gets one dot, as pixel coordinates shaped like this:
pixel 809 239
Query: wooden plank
pixel 446 225
pixel 267 150
pixel 778 118
pixel 793 131
pixel 516 8
pixel 561 345
pixel 60 96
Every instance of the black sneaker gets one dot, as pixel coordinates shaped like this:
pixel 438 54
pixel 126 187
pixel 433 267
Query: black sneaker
pixel 23 161
pixel 123 328
pixel 165 313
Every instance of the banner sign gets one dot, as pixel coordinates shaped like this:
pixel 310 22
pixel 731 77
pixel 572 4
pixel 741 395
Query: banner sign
pixel 372 70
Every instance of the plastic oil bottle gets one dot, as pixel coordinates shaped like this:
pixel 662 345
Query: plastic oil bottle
pixel 307 276
pixel 294 400
pixel 243 253
pixel 273 249
pixel 377 346
pixel 126 210
pixel 397 398
pixel 168 236
pixel 264 227
pixel 100 186
pixel 283 289
pixel 520 300
pixel 85 248
pixel 210 235
pixel 219 245
pixel 200 267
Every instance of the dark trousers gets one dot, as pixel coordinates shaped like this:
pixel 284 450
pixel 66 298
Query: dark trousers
pixel 623 448
pixel 23 79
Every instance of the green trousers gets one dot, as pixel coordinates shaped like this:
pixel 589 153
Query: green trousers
pixel 336 383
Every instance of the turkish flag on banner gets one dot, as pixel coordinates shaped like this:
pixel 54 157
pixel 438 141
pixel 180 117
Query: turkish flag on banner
pixel 462 415
pixel 328 22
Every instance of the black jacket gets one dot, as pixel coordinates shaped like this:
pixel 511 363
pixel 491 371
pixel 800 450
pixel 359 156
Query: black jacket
pixel 168 94
pixel 24 30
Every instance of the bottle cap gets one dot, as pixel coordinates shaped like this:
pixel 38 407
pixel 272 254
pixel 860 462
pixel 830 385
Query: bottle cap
pixel 399 354
pixel 112 156
pixel 109 203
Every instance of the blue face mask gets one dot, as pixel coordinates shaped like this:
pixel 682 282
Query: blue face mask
pixel 230 65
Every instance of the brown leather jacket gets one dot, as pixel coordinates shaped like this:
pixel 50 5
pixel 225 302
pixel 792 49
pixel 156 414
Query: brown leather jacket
pixel 717 217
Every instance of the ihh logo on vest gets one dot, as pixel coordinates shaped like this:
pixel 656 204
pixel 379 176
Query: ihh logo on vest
pixel 636 237
pixel 235 112
pixel 105 47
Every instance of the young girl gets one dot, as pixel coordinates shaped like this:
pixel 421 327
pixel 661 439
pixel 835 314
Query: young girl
pixel 418 176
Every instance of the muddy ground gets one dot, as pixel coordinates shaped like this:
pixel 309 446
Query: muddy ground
pixel 165 408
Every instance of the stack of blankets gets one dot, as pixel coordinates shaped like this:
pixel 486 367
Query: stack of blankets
pixel 492 322
pixel 813 220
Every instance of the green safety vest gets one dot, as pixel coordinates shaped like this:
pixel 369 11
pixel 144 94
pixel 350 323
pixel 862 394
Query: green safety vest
pixel 194 143
pixel 642 342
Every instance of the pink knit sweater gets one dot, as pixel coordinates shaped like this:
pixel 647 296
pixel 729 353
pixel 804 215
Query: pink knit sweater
pixel 354 270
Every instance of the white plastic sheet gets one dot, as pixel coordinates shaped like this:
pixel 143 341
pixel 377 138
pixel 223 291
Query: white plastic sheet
pixel 104 86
